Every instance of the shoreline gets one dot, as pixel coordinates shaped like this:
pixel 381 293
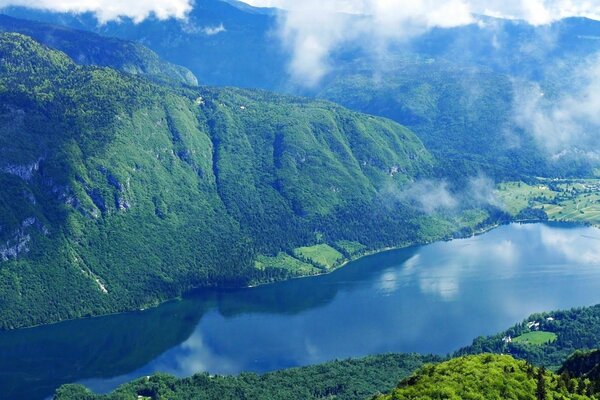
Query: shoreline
pixel 344 263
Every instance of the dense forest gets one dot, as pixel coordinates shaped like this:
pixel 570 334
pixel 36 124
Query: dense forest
pixel 125 184
pixel 575 330
pixel 350 379
pixel 91 49
pixel 490 377
pixel 457 89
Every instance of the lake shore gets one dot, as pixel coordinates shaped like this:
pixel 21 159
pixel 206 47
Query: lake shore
pixel 342 264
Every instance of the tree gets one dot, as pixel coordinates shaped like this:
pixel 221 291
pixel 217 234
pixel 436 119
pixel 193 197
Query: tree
pixel 541 384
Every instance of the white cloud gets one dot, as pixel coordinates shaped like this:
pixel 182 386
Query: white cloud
pixel 570 246
pixel 430 196
pixel 568 122
pixel 443 13
pixel 312 29
pixel 106 10
pixel 433 196
pixel 480 192
pixel 213 30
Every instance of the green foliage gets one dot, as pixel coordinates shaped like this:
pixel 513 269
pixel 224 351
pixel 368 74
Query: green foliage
pixel 486 377
pixel 322 255
pixel 570 200
pixel 344 380
pixel 287 262
pixel 535 338
pixel 91 49
pixel 577 329
pixel 583 364
pixel 457 111
pixel 350 248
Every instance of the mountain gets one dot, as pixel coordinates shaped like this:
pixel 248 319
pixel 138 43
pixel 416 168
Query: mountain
pixel 464 115
pixel 343 380
pixel 119 192
pixel 222 43
pixel 511 47
pixel 583 364
pixel 457 89
pixel 91 49
pixel 232 43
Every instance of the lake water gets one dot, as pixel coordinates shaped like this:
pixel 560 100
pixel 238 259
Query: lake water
pixel 428 299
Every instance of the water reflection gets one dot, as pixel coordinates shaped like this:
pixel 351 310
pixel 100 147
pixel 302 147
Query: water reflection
pixel 433 299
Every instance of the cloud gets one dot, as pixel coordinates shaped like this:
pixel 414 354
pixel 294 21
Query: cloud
pixel 213 30
pixel 107 10
pixel 570 247
pixel 433 196
pixel 566 123
pixel 481 191
pixel 313 29
pixel 429 196
pixel 538 12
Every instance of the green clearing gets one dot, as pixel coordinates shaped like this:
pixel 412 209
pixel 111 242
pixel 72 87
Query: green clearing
pixel 320 254
pixel 286 262
pixel 536 338
pixel 517 196
pixel 583 207
pixel 575 200
pixel 349 247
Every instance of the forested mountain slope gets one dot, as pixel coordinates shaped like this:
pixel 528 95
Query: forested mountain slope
pixel 118 192
pixel 223 43
pixel 464 115
pixel 457 89
pixel 91 49
pixel 343 380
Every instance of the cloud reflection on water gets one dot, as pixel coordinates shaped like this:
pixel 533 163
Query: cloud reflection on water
pixel 430 299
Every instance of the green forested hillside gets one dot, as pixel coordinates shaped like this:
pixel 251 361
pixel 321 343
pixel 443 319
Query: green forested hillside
pixel 464 115
pixel 489 377
pixel 574 330
pixel 91 49
pixel 118 192
pixel 344 380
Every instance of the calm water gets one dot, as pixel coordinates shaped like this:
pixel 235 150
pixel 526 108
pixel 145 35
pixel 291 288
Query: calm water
pixel 431 299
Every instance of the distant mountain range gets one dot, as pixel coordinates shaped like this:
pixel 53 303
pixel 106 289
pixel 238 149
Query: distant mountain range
pixel 455 88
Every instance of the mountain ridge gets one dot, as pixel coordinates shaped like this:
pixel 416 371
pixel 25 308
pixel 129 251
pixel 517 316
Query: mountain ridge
pixel 90 49
pixel 120 193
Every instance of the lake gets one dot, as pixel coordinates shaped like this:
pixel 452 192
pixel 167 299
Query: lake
pixel 428 299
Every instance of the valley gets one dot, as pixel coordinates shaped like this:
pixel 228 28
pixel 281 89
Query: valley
pixel 170 170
